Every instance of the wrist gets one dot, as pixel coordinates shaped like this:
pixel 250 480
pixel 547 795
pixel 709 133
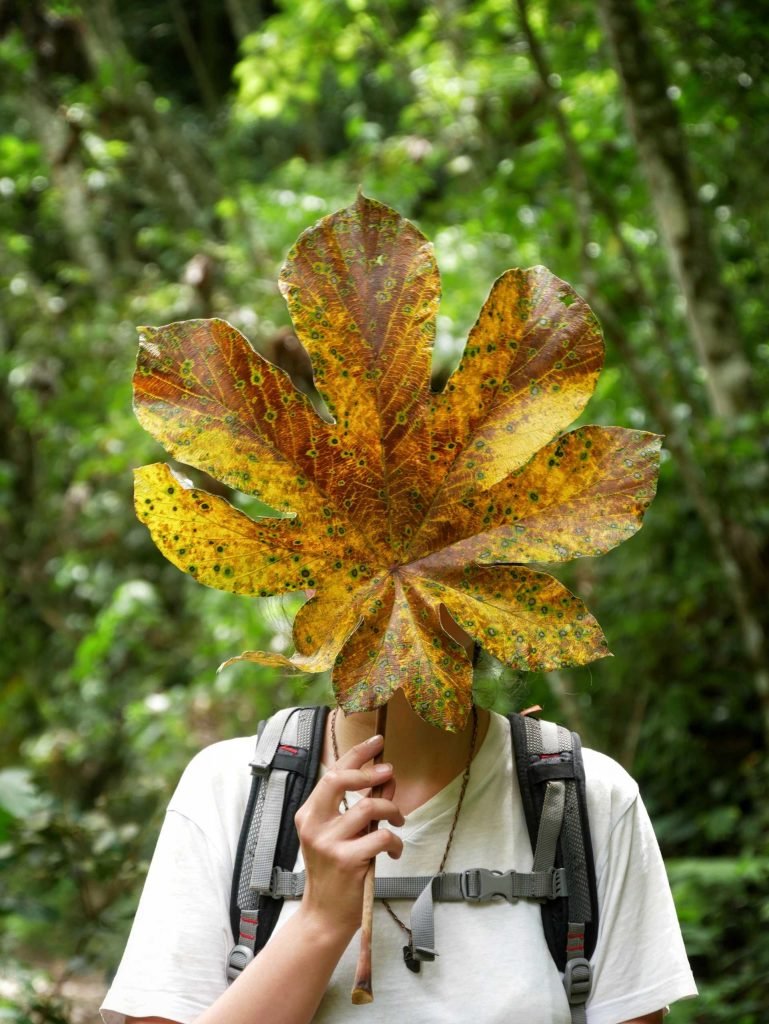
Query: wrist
pixel 325 931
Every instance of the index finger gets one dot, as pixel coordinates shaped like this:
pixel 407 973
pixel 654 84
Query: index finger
pixel 348 774
pixel 357 756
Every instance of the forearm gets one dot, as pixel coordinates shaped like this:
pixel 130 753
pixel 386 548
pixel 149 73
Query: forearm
pixel 286 981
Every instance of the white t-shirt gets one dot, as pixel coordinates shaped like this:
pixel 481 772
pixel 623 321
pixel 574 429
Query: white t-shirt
pixel 493 965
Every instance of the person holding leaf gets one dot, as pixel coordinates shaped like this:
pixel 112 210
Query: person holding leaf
pixel 410 520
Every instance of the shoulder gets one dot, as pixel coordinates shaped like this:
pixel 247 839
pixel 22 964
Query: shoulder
pixel 611 791
pixel 212 794
pixel 218 767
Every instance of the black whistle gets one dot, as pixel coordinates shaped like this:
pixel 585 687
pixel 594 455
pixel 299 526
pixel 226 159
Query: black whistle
pixel 410 960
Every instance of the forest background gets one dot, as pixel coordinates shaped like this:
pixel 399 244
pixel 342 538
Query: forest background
pixel 157 159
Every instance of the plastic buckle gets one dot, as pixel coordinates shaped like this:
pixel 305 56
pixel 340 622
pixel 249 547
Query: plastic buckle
pixel 578 980
pixel 480 884
pixel 240 957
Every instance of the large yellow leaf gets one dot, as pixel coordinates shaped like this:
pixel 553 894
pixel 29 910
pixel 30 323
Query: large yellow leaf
pixel 524 618
pixel 401 644
pixel 528 370
pixel 205 536
pixel 320 627
pixel 217 405
pixel 582 494
pixel 362 288
pixel 408 505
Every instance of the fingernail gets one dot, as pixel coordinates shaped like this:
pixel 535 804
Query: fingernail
pixel 382 769
pixel 374 739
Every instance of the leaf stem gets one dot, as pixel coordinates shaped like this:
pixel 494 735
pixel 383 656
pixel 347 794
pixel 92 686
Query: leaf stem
pixel 362 991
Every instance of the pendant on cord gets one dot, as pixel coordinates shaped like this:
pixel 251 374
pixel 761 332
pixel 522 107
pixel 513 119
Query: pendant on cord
pixel 410 960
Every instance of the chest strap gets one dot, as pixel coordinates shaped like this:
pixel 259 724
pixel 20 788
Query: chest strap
pixel 476 885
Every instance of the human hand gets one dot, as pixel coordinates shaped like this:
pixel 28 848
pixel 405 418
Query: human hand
pixel 337 847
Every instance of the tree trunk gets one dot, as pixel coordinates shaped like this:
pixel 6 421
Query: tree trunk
pixel 662 148
pixel 171 167
pixel 245 16
pixel 195 57
pixel 744 605
pixel 56 137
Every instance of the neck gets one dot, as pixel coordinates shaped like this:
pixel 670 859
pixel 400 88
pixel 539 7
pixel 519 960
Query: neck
pixel 424 757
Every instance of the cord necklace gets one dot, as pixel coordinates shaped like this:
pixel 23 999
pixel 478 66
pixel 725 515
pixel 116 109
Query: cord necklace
pixel 408 952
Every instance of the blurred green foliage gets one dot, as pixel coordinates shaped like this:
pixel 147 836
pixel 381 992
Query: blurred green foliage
pixel 156 161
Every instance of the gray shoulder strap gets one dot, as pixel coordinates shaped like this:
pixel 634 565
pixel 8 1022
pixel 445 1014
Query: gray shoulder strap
pixel 268 741
pixel 283 728
pixel 289 726
pixel 561 820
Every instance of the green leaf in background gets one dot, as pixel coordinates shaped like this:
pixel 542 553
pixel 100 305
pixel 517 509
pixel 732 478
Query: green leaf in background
pixel 19 798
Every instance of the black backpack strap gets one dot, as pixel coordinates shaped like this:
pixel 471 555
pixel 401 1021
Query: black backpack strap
pixel 551 777
pixel 285 769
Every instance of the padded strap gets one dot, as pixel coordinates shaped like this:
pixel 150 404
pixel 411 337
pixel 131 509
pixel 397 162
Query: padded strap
pixel 284 769
pixel 283 728
pixel 561 808
pixel 548 758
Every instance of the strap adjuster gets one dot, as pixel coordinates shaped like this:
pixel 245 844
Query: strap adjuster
pixel 286 885
pixel 578 980
pixel 560 885
pixel 240 957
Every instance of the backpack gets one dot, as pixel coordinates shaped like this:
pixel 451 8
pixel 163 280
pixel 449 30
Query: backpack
pixel 551 777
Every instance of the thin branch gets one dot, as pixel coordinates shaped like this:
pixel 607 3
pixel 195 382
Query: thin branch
pixel 192 50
